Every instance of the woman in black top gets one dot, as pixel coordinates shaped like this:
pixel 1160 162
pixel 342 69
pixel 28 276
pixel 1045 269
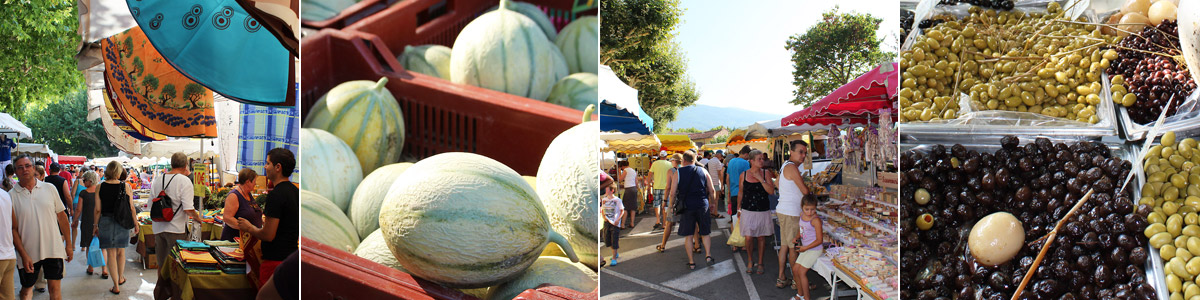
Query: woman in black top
pixel 87 207
pixel 755 222
pixel 113 194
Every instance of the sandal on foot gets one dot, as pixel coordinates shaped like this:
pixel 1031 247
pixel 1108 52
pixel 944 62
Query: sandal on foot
pixel 780 283
pixel 691 266
pixel 709 260
pixel 750 269
pixel 122 282
pixel 660 248
pixel 760 269
pixel 104 276
pixel 114 291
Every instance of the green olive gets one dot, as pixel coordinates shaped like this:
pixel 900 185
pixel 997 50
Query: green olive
pixel 925 221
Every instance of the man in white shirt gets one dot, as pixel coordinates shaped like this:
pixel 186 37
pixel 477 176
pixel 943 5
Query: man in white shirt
pixel 181 191
pixel 36 208
pixel 715 166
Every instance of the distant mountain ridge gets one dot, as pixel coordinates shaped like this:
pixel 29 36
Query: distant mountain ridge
pixel 704 117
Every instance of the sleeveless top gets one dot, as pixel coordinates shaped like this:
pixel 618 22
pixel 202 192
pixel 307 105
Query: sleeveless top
pixel 692 188
pixel 754 196
pixel 790 195
pixel 87 208
pixel 808 233
pixel 108 193
pixel 630 179
pixel 245 210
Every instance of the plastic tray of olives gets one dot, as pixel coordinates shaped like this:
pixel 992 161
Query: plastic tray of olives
pixel 999 122
pixel 1141 180
pixel 1184 121
pixel 1153 268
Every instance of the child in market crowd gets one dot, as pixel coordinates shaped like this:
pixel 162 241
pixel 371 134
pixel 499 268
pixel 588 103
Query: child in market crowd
pixel 808 244
pixel 613 211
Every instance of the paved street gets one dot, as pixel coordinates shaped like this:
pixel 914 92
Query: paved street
pixel 643 273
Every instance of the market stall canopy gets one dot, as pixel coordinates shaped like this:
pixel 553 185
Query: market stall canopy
pixel 14 129
pixel 117 136
pixel 103 161
pixel 628 144
pixel 871 93
pixel 191 147
pixel 717 146
pixel 71 159
pixel 619 106
pixel 676 142
pixel 219 45
pixel 145 89
pixel 773 128
pixel 32 148
pixel 262 128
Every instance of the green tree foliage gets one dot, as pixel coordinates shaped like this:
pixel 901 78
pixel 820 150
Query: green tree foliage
pixel 637 43
pixel 168 94
pixel 833 52
pixel 63 126
pixel 38 42
pixel 192 93
pixel 150 82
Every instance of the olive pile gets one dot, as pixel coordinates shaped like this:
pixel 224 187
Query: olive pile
pixel 1003 60
pixel 906 21
pixel 1173 190
pixel 1100 253
pixel 1152 78
pixel 996 4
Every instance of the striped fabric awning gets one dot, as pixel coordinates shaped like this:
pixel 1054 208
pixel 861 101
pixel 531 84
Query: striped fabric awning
pixel 264 128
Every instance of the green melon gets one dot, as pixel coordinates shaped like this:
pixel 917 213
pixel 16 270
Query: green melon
pixel 465 221
pixel 367 117
pixel 568 185
pixel 375 249
pixel 325 222
pixel 580 44
pixel 576 91
pixel 432 60
pixel 321 10
pixel 505 51
pixel 330 168
pixel 534 13
pixel 547 269
pixel 368 197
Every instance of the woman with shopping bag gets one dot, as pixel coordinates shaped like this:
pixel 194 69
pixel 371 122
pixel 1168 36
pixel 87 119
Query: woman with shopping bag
pixel 87 203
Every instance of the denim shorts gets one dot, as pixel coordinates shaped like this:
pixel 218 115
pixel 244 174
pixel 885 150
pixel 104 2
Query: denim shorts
pixel 112 235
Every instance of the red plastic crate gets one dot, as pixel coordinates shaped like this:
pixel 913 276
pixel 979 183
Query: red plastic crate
pixel 439 116
pixel 352 14
pixel 342 275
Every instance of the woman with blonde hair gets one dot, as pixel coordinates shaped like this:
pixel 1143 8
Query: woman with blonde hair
pixel 239 204
pixel 755 221
pixel 113 197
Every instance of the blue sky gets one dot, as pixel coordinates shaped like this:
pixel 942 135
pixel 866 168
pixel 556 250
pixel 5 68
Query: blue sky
pixel 736 54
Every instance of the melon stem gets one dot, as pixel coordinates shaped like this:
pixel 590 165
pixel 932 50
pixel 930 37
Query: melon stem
pixel 562 243
pixel 587 113
pixel 380 85
pixel 504 4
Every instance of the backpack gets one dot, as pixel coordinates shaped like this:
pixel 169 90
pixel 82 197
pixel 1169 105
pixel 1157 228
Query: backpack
pixel 160 207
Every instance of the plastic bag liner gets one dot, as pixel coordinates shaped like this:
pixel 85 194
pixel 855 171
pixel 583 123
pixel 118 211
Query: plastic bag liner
pixel 95 256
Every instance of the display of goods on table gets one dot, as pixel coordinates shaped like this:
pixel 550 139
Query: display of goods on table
pixel 977 217
pixel 876 273
pixel 1171 192
pixel 500 223
pixel 864 243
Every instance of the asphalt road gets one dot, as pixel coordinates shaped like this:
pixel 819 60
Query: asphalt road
pixel 644 273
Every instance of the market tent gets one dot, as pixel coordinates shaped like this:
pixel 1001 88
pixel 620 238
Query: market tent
pixel 71 159
pixel 676 142
pixel 191 147
pixel 717 146
pixel 774 128
pixel 33 148
pixel 629 144
pixel 650 144
pixel 870 94
pixel 619 106
pixel 12 128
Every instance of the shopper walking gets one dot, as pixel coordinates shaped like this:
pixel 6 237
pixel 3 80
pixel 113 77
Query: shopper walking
pixel 85 213
pixel 9 172
pixel 658 184
pixel 42 245
pixel 716 168
pixel 734 170
pixel 694 188
pixel 755 215
pixel 791 195
pixel 178 187
pixel 668 208
pixel 613 211
pixel 280 232
pixel 113 203
pixel 239 204
pixel 60 184
pixel 8 251
pixel 628 178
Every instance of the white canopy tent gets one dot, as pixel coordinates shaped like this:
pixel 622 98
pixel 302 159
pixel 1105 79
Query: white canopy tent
pixel 194 148
pixel 12 128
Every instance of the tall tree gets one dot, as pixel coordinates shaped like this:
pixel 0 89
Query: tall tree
pixel 38 42
pixel 63 126
pixel 638 45
pixel 833 52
